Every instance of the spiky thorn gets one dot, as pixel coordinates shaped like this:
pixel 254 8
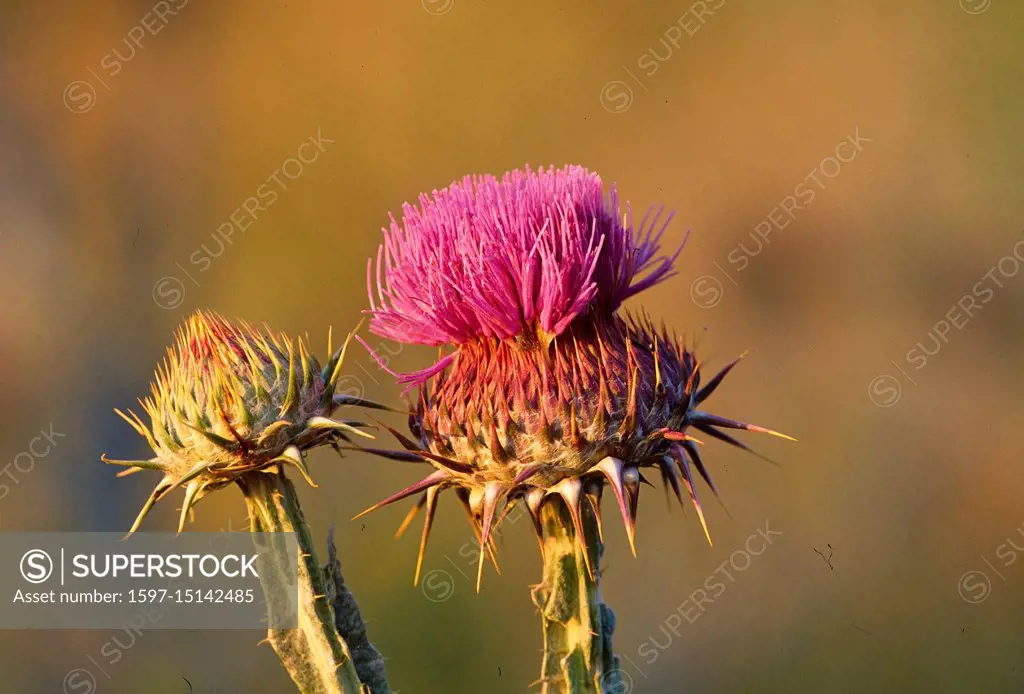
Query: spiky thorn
pixel 342 427
pixel 690 448
pixel 195 471
pixel 411 515
pixel 615 471
pixel 722 436
pixel 136 423
pixel 592 488
pixel 151 464
pixel 407 443
pixel 708 419
pixel 447 463
pixel 353 401
pixel 433 479
pixel 129 471
pixel 604 397
pixel 573 439
pixel 307 365
pixel 400 456
pixel 161 488
pixel 332 370
pixel 631 479
pixel 240 441
pixel 713 384
pixel 684 466
pixel 571 489
pixel 670 475
pixel 484 503
pixel 471 437
pixel 545 431
pixel 628 424
pixel 463 496
pixel 428 522
pixel 526 473
pixel 657 364
pixel 416 456
pixel 291 400
pixel 216 439
pixel 494 443
pixel 510 505
pixel 191 492
pixel 691 382
pixel 336 447
pixel 410 445
pixel 293 456
pixel 672 435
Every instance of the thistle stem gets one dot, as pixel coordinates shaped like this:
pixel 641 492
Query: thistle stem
pixel 578 626
pixel 351 627
pixel 315 655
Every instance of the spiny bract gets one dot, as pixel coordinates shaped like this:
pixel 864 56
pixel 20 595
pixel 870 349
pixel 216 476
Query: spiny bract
pixel 548 390
pixel 229 400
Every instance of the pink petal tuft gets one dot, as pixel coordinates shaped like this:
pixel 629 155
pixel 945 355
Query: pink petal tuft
pixel 500 258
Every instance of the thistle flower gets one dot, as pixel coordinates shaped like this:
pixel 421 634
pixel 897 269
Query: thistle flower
pixel 229 400
pixel 549 390
pixel 512 259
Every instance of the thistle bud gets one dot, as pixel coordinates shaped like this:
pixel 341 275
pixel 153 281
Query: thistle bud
pixel 229 400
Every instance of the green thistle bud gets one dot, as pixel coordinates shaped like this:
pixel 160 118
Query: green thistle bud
pixel 229 400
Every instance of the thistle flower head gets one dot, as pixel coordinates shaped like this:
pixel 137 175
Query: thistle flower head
pixel 229 400
pixel 549 390
pixel 516 257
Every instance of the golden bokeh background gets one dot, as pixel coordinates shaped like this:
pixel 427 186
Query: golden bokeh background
pixel 907 476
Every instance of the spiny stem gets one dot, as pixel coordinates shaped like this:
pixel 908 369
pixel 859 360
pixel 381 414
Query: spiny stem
pixel 578 626
pixel 316 657
pixel 351 627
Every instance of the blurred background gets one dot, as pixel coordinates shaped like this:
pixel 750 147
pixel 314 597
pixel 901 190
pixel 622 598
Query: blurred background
pixel 851 176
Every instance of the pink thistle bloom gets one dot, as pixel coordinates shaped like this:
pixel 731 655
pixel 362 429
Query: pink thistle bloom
pixel 549 390
pixel 516 257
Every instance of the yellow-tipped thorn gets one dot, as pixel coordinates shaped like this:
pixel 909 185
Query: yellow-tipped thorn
pixel 157 492
pixel 410 516
pixel 334 425
pixel 428 522
pixel 190 494
pixel 341 357
pixel 129 471
pixel 151 464
pixel 480 569
pixel 779 434
pixel 704 524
